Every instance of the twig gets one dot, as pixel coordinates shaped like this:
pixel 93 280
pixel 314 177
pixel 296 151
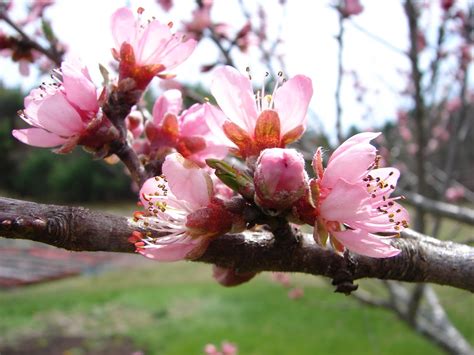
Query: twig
pixel 340 73
pixel 419 111
pixel 377 38
pixel 52 53
pixel 438 208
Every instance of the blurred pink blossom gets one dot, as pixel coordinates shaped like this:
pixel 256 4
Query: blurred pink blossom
pixel 201 20
pixel 350 7
pixel 454 193
pixel 295 293
pixel 36 9
pixel 165 4
pixel 229 277
pixel 226 349
pixel 281 277
pixel 134 123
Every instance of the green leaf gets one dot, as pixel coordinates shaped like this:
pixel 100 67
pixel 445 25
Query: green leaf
pixel 236 179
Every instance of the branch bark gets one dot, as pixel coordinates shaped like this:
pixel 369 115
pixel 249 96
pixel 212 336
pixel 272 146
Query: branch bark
pixel 438 208
pixel 423 259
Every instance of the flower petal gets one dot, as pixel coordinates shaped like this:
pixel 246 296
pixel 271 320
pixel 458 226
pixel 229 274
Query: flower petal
pixel 360 138
pixel 79 89
pixel 345 203
pixel 391 222
pixel 187 181
pixel 123 26
pixel 234 94
pixel 363 243
pixel 170 101
pixel 38 137
pixel 178 53
pixel 351 165
pixel 292 101
pixel 55 114
pixel 178 250
pixel 215 121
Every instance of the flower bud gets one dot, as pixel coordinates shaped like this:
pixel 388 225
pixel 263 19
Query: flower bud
pixel 280 178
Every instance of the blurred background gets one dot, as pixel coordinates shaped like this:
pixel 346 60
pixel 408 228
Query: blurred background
pixel 403 67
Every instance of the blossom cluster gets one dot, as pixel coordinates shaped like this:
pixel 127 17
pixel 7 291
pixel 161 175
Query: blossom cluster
pixel 347 202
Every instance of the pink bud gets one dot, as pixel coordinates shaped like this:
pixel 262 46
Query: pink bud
pixel 229 277
pixel 280 178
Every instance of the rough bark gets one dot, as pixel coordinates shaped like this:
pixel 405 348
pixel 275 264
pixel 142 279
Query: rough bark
pixel 423 259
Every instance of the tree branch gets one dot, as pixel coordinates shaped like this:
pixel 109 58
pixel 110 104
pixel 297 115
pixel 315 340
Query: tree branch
pixel 52 53
pixel 438 208
pixel 423 259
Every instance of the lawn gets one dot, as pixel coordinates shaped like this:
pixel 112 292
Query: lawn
pixel 178 308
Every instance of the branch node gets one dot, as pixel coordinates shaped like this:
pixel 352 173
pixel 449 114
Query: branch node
pixel 344 278
pixel 6 224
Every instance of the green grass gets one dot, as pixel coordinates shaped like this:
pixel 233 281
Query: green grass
pixel 177 309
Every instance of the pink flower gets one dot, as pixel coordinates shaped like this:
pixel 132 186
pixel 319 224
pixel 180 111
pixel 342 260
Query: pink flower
pixel 64 113
pixel 200 21
pixel 255 123
pixel 352 199
pixel 227 349
pixel 295 293
pixel 351 7
pixel 134 123
pixel 229 277
pixel 454 193
pixel 280 178
pixel 182 209
pixel 165 4
pixel 146 49
pixel 187 132
pixel 282 278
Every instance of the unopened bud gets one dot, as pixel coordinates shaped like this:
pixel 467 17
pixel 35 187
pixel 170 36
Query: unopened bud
pixel 280 178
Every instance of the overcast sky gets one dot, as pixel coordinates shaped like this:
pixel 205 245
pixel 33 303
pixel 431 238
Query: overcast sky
pixel 309 29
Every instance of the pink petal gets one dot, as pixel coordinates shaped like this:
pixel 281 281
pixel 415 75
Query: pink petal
pixel 363 243
pixel 151 43
pixel 175 251
pixel 379 222
pixel 123 26
pixel 38 137
pixel 80 90
pixel 187 181
pixel 196 122
pixel 350 165
pixel 292 101
pixel 56 114
pixel 360 138
pixel 212 150
pixel 24 67
pixel 230 277
pixel 178 54
pixel 234 94
pixel 215 121
pixel 193 121
pixel 170 101
pixel 345 203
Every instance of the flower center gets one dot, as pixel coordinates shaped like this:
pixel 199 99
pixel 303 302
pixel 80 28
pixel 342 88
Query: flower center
pixel 265 101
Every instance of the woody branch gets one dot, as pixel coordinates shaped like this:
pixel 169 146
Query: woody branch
pixel 423 259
